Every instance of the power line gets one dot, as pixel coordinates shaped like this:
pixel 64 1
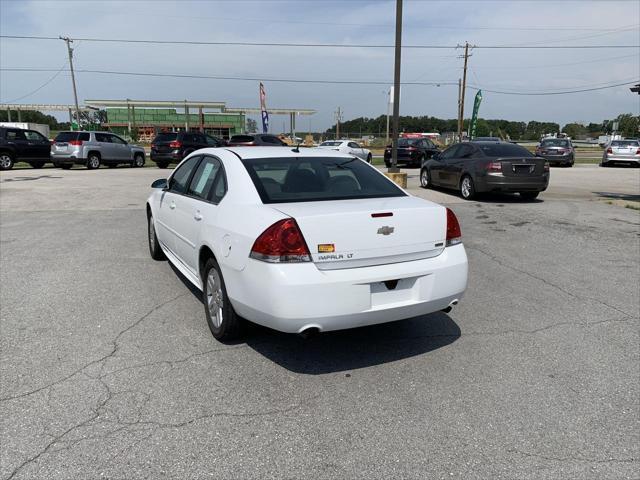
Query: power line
pixel 312 45
pixel 55 75
pixel 566 64
pixel 584 88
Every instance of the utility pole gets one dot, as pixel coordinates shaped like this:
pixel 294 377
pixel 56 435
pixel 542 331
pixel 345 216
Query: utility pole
pixel 464 87
pixel 396 90
pixel 338 118
pixel 459 105
pixel 73 77
pixel 389 93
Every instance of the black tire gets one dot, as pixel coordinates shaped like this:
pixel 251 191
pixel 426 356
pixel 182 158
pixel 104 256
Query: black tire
pixel 66 166
pixel 529 195
pixel 225 325
pixel 93 162
pixel 6 161
pixel 138 161
pixel 56 164
pixel 162 164
pixel 604 164
pixel 425 178
pixel 467 188
pixel 37 164
pixel 387 164
pixel 369 158
pixel 154 246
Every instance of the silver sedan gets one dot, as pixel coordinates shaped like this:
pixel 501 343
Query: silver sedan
pixel 347 146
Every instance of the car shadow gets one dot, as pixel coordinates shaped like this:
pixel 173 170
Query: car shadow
pixel 346 350
pixel 618 196
pixel 490 197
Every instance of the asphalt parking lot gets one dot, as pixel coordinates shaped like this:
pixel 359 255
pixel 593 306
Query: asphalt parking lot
pixel 108 369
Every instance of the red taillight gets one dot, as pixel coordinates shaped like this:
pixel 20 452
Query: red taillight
pixel 454 234
pixel 175 144
pixel 609 150
pixel 494 167
pixel 75 142
pixel 282 242
pixel 638 151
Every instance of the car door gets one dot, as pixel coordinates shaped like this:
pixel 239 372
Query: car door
pixel 196 209
pixel 17 140
pixel 167 225
pixel 106 148
pixel 120 148
pixel 439 169
pixel 455 165
pixel 355 149
pixel 39 145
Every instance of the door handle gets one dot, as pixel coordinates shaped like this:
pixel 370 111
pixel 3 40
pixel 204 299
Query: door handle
pixel 197 216
pixel 172 206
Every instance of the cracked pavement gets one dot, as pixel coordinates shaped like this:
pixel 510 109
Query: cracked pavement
pixel 108 369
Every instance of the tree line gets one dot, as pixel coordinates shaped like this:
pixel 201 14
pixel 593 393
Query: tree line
pixel 533 130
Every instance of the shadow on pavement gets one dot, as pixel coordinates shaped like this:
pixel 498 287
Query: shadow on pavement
pixel 347 350
pixel 351 349
pixel 618 196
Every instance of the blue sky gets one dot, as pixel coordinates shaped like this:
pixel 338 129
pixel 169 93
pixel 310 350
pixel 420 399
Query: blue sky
pixel 348 21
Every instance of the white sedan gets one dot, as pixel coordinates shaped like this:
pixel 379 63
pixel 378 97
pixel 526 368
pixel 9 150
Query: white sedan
pixel 300 241
pixel 349 147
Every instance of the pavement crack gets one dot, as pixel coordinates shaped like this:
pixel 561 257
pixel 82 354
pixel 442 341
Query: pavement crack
pixel 547 282
pixel 102 359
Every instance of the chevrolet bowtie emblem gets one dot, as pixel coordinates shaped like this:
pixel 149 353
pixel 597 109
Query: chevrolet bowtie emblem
pixel 385 230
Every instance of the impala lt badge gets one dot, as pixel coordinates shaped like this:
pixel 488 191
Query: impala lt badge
pixel 385 230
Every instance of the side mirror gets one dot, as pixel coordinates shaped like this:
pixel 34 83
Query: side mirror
pixel 160 183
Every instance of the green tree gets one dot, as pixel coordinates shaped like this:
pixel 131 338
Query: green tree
pixel 575 130
pixel 628 125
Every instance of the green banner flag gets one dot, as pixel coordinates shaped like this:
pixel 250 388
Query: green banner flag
pixel 474 117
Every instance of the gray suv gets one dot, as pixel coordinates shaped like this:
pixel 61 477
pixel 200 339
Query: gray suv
pixel 93 149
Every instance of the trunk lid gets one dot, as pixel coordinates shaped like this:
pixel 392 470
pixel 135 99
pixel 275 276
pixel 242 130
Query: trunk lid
pixel 522 167
pixel 415 229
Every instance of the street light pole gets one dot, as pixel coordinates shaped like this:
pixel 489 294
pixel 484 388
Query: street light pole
pixel 396 90
pixel 73 77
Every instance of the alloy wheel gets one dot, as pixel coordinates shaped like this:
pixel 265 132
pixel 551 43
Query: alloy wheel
pixel 215 297
pixel 424 178
pixel 5 161
pixel 465 187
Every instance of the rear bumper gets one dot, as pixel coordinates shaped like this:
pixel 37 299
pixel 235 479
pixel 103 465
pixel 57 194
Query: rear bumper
pixel 166 157
pixel 292 298
pixel 621 158
pixel 569 158
pixel 501 183
pixel 70 159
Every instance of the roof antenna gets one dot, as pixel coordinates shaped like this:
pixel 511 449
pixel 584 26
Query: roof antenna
pixel 297 149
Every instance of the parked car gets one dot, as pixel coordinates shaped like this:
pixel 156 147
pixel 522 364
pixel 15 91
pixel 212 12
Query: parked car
pixel 303 242
pixel 18 145
pixel 412 151
pixel 474 167
pixel 172 147
pixel 626 152
pixel 557 151
pixel 348 146
pixel 93 149
pixel 255 139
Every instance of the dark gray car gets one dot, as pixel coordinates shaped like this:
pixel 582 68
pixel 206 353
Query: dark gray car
pixel 475 167
pixel 557 151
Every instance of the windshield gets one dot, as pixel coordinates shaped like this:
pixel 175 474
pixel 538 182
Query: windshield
pixel 166 137
pixel 300 179
pixel 625 143
pixel 504 150
pixel 555 142
pixel 330 144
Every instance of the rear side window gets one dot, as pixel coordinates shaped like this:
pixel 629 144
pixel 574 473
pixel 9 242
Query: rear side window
pixel 299 179
pixel 504 150
pixel 102 137
pixel 180 177
pixel 273 140
pixel 15 135
pixel 166 137
pixel 241 139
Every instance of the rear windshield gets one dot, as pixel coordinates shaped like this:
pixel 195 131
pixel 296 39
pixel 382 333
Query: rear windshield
pixel 504 150
pixel 69 136
pixel 405 142
pixel 625 143
pixel 554 142
pixel 330 144
pixel 284 180
pixel 241 139
pixel 166 137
